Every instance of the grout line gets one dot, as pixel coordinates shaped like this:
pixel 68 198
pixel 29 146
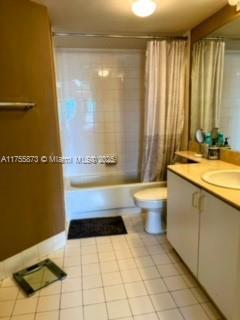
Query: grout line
pixel 105 301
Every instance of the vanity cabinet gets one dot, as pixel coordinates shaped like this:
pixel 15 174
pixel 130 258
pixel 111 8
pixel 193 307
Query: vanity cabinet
pixel 219 252
pixel 205 231
pixel 183 219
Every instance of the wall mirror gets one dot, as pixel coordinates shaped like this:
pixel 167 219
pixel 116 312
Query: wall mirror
pixel 215 89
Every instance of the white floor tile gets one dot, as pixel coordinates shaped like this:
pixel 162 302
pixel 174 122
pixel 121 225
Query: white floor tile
pixel 170 315
pixel 141 305
pixel 110 279
pixel 25 317
pixel 155 286
pixel 105 247
pixel 118 309
pixel 71 284
pixel 103 240
pixel 149 316
pixel 163 301
pixel 23 306
pixel 133 273
pixel 48 303
pixel 92 249
pixel 72 251
pixel 116 292
pixel 135 289
pixel 184 298
pixel 143 262
pixel 9 293
pixel 71 299
pixel 51 315
pixel 175 283
pixel 72 314
pixel 72 261
pixel 93 296
pixel 87 242
pixel 127 264
pixel 155 249
pixel 6 308
pixel 95 311
pixel 90 258
pixel 106 256
pixel 91 282
pixel 73 272
pixel 139 252
pixel 161 259
pixel 149 273
pixel 123 254
pixel 167 270
pixel 109 266
pixel 8 282
pixel 194 312
pixel 130 275
pixel 90 269
pixel 54 288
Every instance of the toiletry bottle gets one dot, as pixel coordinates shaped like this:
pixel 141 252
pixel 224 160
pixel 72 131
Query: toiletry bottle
pixel 208 138
pixel 226 144
pixel 220 139
pixel 214 135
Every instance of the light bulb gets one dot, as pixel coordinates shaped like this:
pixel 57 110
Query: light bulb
pixel 143 8
pixel 233 2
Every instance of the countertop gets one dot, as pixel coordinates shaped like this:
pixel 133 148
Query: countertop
pixel 193 172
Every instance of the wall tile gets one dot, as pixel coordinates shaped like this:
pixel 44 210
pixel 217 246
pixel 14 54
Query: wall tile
pixel 101 114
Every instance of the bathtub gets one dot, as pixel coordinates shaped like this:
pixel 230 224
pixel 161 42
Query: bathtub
pixel 88 197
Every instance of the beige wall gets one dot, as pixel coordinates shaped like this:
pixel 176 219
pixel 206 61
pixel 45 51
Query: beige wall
pixel 31 196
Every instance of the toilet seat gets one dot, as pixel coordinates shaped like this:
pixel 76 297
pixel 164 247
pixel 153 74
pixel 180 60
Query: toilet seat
pixel 151 198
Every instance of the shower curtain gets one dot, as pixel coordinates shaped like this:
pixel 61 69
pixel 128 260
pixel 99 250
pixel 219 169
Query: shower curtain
pixel 165 76
pixel 207 83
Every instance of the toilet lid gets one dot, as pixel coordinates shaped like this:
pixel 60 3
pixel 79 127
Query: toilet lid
pixel 152 194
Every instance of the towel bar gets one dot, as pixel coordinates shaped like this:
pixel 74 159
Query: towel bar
pixel 8 106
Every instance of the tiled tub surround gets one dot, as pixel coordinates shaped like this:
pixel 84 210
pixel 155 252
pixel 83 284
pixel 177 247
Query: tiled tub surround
pixel 100 96
pixel 31 255
pixel 132 277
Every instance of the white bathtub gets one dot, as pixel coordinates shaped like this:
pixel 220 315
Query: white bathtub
pixel 88 198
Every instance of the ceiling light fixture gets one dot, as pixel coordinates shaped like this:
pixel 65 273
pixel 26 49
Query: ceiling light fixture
pixel 143 8
pixel 235 3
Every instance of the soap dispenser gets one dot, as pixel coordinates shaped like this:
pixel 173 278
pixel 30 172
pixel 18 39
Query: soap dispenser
pixel 226 144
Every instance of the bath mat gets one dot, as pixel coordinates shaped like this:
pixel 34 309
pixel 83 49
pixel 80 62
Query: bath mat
pixel 96 227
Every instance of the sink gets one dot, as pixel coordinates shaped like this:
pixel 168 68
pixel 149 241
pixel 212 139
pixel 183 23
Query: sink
pixel 223 178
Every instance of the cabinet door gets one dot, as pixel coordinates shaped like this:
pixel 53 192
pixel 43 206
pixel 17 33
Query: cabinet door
pixel 183 219
pixel 219 252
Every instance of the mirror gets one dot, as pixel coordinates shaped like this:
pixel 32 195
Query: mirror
pixel 215 89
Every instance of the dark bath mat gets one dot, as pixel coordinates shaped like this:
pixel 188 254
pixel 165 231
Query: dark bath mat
pixel 96 227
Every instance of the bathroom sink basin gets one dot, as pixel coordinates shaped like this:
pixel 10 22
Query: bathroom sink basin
pixel 223 178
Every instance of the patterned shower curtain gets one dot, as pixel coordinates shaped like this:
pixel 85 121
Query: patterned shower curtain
pixel 165 81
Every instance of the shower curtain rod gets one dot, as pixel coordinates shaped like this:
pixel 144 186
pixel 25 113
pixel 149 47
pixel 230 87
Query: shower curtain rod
pixel 117 36
pixel 222 38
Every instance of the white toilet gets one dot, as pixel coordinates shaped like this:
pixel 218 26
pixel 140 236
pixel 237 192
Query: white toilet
pixel 154 201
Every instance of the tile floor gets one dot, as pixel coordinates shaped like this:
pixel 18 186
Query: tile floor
pixel 131 277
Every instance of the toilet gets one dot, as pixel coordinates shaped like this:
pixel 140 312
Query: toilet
pixel 153 201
